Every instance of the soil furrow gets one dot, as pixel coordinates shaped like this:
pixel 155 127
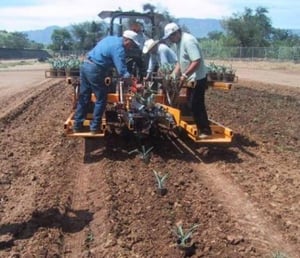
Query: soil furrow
pixel 251 217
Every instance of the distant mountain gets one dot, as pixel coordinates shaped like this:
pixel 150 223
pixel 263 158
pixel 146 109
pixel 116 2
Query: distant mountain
pixel 198 27
pixel 296 32
pixel 201 27
pixel 41 36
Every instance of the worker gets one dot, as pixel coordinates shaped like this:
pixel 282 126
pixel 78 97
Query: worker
pixel 137 27
pixel 107 54
pixel 190 68
pixel 160 55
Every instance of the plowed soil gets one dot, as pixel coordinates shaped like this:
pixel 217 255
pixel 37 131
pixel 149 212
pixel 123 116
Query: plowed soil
pixel 244 197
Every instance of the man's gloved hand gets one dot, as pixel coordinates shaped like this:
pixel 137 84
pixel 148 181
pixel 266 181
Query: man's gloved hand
pixel 173 76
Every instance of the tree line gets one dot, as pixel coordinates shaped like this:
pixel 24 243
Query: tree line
pixel 17 40
pixel 251 28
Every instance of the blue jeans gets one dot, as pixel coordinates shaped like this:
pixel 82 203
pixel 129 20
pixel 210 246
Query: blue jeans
pixel 91 81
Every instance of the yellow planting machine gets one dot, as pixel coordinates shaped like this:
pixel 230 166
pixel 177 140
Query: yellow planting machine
pixel 146 107
pixel 142 110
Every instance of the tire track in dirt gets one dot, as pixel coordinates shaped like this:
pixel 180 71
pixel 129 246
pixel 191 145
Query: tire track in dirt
pixel 89 194
pixel 249 216
pixel 74 241
pixel 268 153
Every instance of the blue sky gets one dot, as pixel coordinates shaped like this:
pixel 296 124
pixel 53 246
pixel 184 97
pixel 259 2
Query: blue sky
pixel 21 15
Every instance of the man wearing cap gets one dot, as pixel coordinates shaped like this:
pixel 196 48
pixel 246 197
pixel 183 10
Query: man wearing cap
pixel 190 68
pixel 108 53
pixel 160 54
pixel 138 28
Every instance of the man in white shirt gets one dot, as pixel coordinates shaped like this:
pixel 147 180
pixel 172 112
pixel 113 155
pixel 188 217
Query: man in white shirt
pixel 191 68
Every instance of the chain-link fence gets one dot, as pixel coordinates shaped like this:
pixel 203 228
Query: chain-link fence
pixel 254 53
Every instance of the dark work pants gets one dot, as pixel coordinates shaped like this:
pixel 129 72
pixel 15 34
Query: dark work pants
pixel 196 99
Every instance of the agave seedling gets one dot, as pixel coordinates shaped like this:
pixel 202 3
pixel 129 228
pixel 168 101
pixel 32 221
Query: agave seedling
pixel 160 179
pixel 161 183
pixel 144 154
pixel 146 97
pixel 279 255
pixel 184 238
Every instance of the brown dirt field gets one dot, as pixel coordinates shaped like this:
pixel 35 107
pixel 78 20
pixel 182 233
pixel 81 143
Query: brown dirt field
pixel 244 197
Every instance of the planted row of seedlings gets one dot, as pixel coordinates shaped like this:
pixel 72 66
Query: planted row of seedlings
pixel 183 236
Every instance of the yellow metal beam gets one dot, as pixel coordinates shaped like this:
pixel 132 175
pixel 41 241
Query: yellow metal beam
pixel 220 85
pixel 173 111
pixel 220 133
pixel 87 134
pixel 68 127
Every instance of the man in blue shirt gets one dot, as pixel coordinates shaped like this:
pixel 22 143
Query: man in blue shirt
pixel 191 68
pixel 108 53
pixel 160 55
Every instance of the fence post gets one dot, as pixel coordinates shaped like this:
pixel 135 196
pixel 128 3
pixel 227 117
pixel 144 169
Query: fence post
pixel 240 53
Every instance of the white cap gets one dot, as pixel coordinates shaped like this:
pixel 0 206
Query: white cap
pixel 170 28
pixel 149 44
pixel 130 34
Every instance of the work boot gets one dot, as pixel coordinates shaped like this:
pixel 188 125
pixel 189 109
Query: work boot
pixel 204 133
pixel 96 131
pixel 77 127
pixel 77 130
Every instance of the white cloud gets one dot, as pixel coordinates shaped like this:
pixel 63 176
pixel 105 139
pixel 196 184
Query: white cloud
pixel 197 9
pixel 66 12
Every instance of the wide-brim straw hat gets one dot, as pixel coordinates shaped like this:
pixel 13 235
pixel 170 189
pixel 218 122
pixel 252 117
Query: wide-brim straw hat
pixel 149 44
